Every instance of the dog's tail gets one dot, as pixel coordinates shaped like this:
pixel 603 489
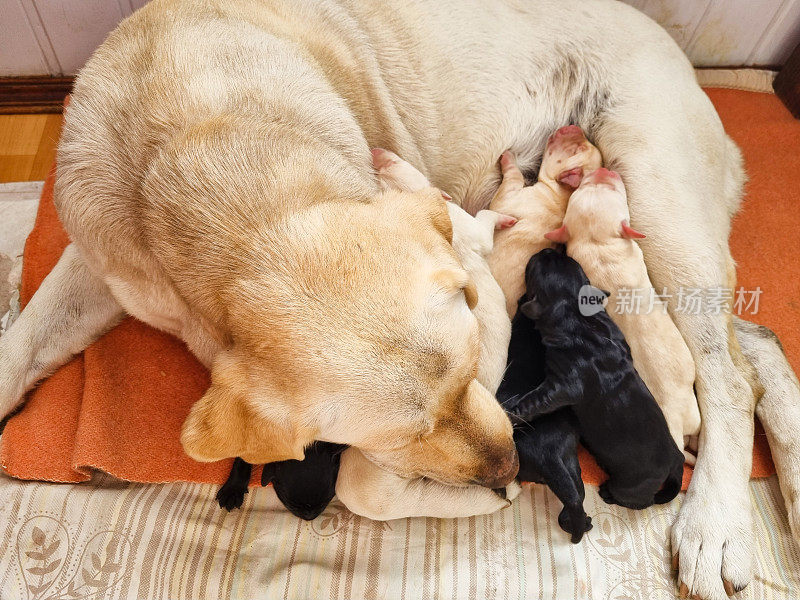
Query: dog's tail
pixel 672 485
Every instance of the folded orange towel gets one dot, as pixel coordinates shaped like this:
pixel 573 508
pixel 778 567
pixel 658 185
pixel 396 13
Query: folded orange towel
pixel 119 406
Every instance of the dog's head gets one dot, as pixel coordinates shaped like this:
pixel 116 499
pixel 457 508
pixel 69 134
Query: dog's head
pixel 360 333
pixel 551 278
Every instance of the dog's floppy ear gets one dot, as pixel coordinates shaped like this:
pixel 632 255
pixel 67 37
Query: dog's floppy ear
pixel 433 205
pixel 531 309
pixel 457 279
pixel 228 421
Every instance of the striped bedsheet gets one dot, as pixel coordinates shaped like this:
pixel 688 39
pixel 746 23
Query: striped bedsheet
pixel 111 540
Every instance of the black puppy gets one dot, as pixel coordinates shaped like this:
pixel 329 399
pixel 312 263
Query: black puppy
pixel 589 368
pixel 304 486
pixel 547 446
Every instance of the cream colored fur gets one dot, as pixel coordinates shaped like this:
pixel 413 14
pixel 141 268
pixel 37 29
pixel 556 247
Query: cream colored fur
pixel 370 491
pixel 473 238
pixel 537 208
pixel 269 108
pixel 614 263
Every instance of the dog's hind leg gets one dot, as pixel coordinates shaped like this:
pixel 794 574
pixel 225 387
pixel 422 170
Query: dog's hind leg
pixel 675 166
pixel 778 409
pixel 635 495
pixel 68 312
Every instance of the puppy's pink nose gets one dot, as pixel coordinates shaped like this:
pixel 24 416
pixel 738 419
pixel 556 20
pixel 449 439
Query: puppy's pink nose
pixel 569 130
pixel 601 175
pixel 569 133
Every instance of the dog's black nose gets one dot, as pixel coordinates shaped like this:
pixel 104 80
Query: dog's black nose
pixel 502 471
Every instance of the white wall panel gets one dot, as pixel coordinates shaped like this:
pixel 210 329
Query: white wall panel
pixel 729 32
pixel 780 38
pixel 76 27
pixel 24 48
pixel 56 36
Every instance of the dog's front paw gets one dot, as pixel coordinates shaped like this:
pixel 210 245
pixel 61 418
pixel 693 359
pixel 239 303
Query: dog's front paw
pixel 231 496
pixel 793 509
pixel 711 544
pixel 513 490
pixel 12 379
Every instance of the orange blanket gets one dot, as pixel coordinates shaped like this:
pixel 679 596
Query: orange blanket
pixel 119 406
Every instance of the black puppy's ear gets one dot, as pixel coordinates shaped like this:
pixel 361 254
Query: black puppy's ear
pixel 531 309
pixel 607 293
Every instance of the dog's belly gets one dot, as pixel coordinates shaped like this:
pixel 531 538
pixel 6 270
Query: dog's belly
pixel 479 78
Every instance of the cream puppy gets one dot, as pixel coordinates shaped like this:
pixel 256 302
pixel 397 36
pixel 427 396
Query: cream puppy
pixel 538 208
pixel 597 233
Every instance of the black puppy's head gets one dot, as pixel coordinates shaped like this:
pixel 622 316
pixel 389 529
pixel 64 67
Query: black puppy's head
pixel 551 277
pixel 306 486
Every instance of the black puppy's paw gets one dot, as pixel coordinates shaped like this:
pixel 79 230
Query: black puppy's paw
pixel 606 494
pixel 575 522
pixel 629 501
pixel 231 496
pixel 587 524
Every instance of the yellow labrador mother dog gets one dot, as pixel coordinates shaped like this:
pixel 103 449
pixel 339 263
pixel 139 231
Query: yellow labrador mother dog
pixel 215 178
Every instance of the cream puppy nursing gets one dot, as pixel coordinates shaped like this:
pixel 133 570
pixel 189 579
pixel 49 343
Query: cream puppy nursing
pixel 538 208
pixel 598 235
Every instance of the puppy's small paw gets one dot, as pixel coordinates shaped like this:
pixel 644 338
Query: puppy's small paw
pixel 230 497
pixel 574 523
pixel 605 494
pixel 505 221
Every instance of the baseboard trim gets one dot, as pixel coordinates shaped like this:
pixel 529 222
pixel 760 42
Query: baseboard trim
pixel 33 95
pixel 747 79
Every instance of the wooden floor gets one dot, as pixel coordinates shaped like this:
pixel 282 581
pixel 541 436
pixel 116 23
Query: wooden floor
pixel 27 146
